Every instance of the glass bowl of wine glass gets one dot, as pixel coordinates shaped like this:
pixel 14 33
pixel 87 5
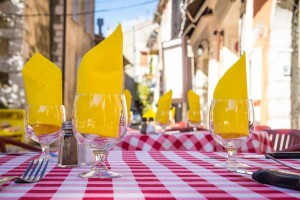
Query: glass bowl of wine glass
pixel 100 121
pixel 162 121
pixel 231 122
pixel 43 123
pixel 194 119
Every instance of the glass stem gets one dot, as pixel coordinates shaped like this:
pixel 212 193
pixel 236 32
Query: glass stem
pixel 100 160
pixel 45 151
pixel 232 156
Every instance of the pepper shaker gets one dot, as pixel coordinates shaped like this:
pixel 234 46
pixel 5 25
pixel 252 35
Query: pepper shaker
pixel 67 156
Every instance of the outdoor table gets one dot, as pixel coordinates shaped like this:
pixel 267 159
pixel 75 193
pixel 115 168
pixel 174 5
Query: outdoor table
pixel 148 175
pixel 190 141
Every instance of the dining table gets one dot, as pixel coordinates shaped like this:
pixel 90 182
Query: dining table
pixel 199 140
pixel 148 175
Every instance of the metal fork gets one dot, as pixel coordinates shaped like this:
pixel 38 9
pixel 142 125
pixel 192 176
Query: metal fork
pixel 31 175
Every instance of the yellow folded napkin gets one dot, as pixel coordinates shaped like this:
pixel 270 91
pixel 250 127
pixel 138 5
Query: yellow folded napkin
pixel 194 107
pixel 128 102
pixel 43 86
pixel 233 85
pixel 101 69
pixel 101 72
pixel 164 105
pixel 43 81
pixel 173 111
pixel 149 113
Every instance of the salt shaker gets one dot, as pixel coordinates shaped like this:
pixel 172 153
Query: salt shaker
pixel 151 126
pixel 67 156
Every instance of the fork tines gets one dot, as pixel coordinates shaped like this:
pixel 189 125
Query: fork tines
pixel 34 172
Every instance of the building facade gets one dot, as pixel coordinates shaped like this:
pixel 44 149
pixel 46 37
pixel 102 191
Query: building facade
pixel 63 31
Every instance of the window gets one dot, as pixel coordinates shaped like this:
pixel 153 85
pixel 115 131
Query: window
pixel 4 44
pixel 87 16
pixel 3 22
pixel 144 59
pixel 75 10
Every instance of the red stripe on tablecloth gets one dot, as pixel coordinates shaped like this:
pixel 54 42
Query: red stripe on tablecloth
pixel 204 187
pixel 39 188
pixel 19 169
pixel 149 177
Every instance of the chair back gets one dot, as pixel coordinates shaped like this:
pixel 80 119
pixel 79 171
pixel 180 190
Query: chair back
pixel 284 138
pixel 6 140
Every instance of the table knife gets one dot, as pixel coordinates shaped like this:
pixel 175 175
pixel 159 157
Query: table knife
pixel 278 155
pixel 280 178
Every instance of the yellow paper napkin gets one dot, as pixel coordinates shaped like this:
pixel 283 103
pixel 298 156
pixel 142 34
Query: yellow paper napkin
pixel 43 81
pixel 194 107
pixel 233 85
pixel 128 102
pixel 101 72
pixel 101 69
pixel 149 113
pixel 164 105
pixel 173 111
pixel 43 86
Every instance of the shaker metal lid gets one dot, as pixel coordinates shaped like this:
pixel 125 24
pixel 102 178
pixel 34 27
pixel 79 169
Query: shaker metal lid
pixel 67 125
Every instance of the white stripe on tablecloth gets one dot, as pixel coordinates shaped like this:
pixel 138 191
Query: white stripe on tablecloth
pixel 182 190
pixel 19 190
pixel 68 185
pixel 118 184
pixel 221 182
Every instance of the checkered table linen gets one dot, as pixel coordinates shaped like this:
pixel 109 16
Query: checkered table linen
pixel 190 141
pixel 147 175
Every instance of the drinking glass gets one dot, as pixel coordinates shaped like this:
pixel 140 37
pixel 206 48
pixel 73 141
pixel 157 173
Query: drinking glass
pixel 231 123
pixel 100 121
pixel 43 123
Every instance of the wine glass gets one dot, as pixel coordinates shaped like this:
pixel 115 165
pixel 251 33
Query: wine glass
pixel 43 123
pixel 194 119
pixel 100 121
pixel 162 120
pixel 231 122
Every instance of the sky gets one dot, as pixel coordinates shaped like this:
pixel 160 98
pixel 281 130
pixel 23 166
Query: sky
pixel 126 12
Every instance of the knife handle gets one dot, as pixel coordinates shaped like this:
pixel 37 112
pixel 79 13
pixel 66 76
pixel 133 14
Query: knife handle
pixel 285 155
pixel 278 178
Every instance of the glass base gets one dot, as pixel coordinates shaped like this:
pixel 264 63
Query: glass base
pixel 232 165
pixel 100 174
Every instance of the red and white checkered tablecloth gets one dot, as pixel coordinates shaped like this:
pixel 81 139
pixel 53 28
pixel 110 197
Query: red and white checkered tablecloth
pixel 147 175
pixel 191 141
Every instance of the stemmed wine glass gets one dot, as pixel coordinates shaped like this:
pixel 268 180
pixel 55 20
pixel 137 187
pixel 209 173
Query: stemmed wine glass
pixel 162 120
pixel 43 123
pixel 100 121
pixel 194 119
pixel 231 122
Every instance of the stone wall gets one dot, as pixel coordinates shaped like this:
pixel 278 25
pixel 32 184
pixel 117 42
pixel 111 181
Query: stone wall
pixel 11 60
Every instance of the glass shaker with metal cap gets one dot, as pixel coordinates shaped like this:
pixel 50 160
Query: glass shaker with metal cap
pixel 67 155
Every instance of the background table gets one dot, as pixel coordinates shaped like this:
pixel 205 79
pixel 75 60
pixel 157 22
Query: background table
pixel 147 175
pixel 190 141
